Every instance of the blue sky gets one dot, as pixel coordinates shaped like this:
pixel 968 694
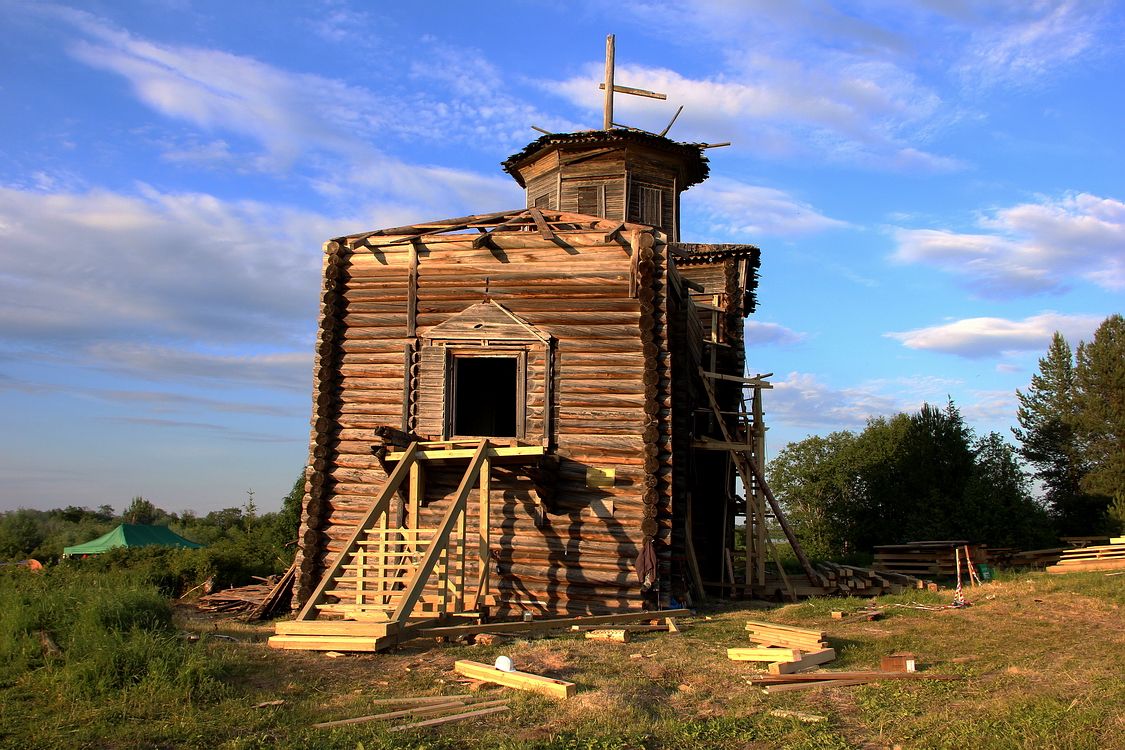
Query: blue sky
pixel 936 188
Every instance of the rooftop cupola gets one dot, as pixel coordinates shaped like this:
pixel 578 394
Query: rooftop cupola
pixel 618 172
pixel 622 174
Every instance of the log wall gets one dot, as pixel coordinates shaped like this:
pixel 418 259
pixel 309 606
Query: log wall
pixel 601 397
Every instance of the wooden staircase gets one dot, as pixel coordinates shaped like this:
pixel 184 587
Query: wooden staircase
pixel 389 580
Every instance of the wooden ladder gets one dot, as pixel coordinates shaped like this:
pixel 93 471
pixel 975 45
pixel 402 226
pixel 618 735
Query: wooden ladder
pixel 753 479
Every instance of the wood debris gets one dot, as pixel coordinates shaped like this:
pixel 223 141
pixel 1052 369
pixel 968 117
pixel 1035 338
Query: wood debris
pixel 258 600
pixel 454 717
pixel 787 648
pixel 619 635
pixel 786 636
pixel 449 703
pixel 515 679
pixel 798 715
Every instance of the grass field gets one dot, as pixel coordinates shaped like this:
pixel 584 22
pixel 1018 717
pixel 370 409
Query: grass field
pixel 1042 659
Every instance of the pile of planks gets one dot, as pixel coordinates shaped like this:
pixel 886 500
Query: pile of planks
pixel 257 600
pixel 834 579
pixel 787 649
pixel 1034 558
pixel 1102 557
pixel 850 580
pixel 936 559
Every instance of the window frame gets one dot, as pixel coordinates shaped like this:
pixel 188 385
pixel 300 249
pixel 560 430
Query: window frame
pixel 646 191
pixel 599 189
pixel 449 408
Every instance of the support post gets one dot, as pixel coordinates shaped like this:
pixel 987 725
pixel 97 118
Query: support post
pixel 607 119
pixel 484 534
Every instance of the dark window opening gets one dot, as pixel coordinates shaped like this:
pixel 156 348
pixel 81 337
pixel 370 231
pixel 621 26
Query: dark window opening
pixel 543 201
pixel 485 396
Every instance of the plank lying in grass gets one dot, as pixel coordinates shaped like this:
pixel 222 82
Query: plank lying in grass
pixel 798 715
pixel 810 685
pixel 520 626
pixel 447 719
pixel 519 680
pixel 421 699
pixel 439 708
pixel 808 661
pixel 872 675
pixel 763 654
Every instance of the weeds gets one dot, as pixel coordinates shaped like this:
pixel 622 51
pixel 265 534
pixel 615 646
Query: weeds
pixel 89 636
pixel 124 677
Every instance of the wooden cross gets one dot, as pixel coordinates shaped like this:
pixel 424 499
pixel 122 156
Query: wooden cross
pixel 610 88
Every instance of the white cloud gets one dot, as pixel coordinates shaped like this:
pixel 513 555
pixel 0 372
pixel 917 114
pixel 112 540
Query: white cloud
pixel 848 110
pixel 1025 41
pixel 987 337
pixel 865 83
pixel 731 207
pixel 1029 248
pixel 105 276
pixel 297 116
pixel 287 113
pixel 989 407
pixel 803 400
pixel 290 370
pixel 758 333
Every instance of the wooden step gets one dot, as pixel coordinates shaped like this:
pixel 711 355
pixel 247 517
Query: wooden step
pixel 331 642
pixel 349 628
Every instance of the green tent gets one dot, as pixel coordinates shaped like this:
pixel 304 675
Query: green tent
pixel 131 535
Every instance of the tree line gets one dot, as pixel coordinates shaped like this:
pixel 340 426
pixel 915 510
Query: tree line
pixel 239 542
pixel 926 476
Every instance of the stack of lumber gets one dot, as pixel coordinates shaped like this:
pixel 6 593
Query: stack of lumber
pixel 787 649
pixel 1101 557
pixel 257 601
pixel 1034 558
pixel 841 580
pixel 855 581
pixel 927 559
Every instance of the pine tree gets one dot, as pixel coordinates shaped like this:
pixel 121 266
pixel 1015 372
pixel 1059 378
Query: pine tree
pixel 1100 413
pixel 1048 439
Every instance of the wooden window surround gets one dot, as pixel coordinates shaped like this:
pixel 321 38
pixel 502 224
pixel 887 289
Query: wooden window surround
pixel 484 357
pixel 485 392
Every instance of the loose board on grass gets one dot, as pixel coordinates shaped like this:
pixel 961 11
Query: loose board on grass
pixel 519 680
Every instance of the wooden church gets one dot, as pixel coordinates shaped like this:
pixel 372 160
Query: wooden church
pixel 541 410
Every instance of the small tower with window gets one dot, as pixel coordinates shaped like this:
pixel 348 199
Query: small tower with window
pixel 627 175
